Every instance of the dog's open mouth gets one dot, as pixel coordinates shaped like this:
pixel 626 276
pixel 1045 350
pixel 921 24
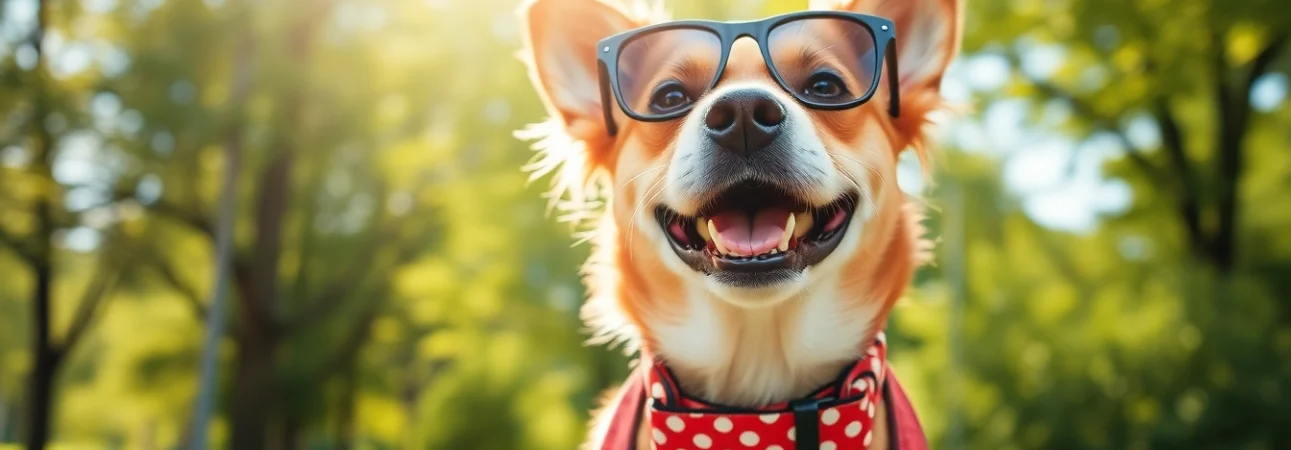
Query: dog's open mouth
pixel 757 234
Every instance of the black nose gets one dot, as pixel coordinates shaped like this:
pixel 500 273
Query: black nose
pixel 744 120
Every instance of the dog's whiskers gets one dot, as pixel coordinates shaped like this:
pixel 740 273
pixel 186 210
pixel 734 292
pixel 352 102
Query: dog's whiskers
pixel 644 173
pixel 633 223
pixel 864 192
pixel 863 164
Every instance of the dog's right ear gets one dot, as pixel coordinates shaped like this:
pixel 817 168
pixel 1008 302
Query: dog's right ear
pixel 560 48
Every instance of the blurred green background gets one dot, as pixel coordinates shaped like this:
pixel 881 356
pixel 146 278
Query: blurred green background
pixel 1112 207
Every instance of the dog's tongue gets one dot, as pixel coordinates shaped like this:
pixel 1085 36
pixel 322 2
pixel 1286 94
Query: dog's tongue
pixel 745 237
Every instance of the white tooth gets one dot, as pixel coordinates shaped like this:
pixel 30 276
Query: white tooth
pixel 804 224
pixel 702 227
pixel 788 234
pixel 717 238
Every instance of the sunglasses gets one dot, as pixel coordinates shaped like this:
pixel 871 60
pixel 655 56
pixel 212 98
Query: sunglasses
pixel 828 60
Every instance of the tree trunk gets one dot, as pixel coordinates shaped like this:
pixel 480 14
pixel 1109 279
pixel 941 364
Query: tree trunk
pixel 44 365
pixel 224 257
pixel 45 356
pixel 253 383
pixel 253 392
pixel 40 400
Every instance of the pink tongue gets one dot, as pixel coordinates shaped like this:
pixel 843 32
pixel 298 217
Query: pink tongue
pixel 744 238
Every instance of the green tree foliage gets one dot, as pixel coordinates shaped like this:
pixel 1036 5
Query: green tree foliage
pixel 397 282
pixel 1158 327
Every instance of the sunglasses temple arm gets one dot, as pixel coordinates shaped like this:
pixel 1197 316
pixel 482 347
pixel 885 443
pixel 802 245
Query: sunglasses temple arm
pixel 607 98
pixel 894 79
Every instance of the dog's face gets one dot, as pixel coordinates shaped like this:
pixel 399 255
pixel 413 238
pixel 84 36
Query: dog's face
pixel 750 198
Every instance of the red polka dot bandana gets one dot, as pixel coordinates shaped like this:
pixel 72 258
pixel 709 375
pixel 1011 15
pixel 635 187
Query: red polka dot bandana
pixel 838 416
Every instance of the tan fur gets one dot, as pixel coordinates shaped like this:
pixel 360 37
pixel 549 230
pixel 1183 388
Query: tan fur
pixel 729 351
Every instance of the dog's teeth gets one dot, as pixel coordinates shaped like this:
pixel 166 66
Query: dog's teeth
pixel 803 225
pixel 717 238
pixel 788 233
pixel 701 226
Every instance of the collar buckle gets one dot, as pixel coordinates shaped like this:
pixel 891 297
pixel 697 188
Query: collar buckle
pixel 806 422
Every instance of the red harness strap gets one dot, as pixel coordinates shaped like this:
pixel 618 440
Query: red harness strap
pixel 622 432
pixel 904 430
pixel 838 416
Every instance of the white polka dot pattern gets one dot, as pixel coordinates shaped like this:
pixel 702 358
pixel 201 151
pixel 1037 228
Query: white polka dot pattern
pixel 853 429
pixel 861 384
pixel 675 423
pixel 659 437
pixel 830 416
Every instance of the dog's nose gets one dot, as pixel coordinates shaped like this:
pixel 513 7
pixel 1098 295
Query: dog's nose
pixel 744 120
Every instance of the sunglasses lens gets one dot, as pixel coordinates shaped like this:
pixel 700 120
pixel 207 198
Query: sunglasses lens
pixel 666 71
pixel 827 61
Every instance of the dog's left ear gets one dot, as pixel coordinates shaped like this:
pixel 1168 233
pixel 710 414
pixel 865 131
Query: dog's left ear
pixel 928 35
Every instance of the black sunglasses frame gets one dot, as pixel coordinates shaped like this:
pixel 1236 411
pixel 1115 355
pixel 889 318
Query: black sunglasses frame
pixel 883 31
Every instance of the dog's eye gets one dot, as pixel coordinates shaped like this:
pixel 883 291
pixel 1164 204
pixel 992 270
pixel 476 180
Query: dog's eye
pixel 669 97
pixel 824 85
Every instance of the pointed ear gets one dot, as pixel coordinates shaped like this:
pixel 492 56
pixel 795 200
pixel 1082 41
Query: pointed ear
pixel 560 48
pixel 928 34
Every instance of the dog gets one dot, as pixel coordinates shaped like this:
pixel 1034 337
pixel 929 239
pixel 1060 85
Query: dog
pixel 738 181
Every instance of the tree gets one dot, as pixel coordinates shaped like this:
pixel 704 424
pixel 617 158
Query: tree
pixel 304 140
pixel 1150 329
pixel 1223 47
pixel 48 114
